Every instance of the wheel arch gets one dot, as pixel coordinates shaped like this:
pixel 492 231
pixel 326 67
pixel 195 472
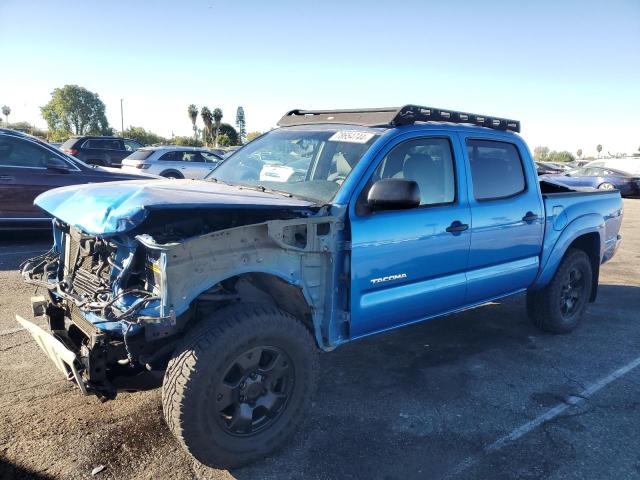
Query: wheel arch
pixel 173 171
pixel 289 296
pixel 583 234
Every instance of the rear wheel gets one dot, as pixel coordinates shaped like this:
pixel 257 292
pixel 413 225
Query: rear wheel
pixel 606 186
pixel 559 306
pixel 240 384
pixel 171 175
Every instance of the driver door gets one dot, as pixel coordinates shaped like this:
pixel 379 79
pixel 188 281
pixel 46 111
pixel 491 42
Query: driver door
pixel 409 265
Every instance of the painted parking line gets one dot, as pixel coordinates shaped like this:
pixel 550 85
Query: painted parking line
pixel 522 430
pixel 10 331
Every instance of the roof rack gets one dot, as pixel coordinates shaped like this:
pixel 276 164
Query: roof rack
pixel 395 116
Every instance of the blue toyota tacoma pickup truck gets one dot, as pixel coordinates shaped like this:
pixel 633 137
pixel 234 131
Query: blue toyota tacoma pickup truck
pixel 335 226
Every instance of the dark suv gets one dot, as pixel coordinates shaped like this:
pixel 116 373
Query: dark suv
pixel 103 151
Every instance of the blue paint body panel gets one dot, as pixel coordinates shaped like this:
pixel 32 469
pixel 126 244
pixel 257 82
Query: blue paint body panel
pixel 398 267
pixel 118 207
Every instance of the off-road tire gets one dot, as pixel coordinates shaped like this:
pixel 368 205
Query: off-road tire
pixel 544 306
pixel 200 362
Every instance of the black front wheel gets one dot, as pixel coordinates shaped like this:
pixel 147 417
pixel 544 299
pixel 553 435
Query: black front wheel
pixel 240 384
pixel 559 306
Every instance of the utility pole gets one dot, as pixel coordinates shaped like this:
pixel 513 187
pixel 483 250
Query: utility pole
pixel 121 119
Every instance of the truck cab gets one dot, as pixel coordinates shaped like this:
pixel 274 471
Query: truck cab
pixel 338 225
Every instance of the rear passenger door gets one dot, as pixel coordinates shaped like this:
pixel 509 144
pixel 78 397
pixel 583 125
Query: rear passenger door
pixel 508 216
pixel 409 265
pixel 171 164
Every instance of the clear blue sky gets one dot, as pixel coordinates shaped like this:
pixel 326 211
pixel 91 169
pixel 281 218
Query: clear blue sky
pixel 570 70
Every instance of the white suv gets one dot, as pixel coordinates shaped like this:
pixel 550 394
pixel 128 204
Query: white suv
pixel 173 161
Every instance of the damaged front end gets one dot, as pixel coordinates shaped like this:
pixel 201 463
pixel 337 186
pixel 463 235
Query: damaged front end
pixel 119 303
pixel 104 305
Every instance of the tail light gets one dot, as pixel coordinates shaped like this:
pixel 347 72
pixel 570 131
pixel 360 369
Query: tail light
pixel 70 151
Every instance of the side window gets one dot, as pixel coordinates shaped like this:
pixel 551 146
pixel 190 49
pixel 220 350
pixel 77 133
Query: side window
pixel 209 157
pixel 496 169
pixel 191 157
pixel 171 157
pixel 21 153
pixel 426 161
pixel 131 146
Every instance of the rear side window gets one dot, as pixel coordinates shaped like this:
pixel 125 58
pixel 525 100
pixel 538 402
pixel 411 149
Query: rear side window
pixel 69 143
pixel 174 156
pixel 496 169
pixel 140 155
pixel 103 144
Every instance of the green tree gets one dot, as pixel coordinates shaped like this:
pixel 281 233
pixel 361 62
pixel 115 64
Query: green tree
pixel 231 134
pixel 241 125
pixel 579 153
pixel 224 140
pixel 186 142
pixel 253 135
pixel 540 154
pixel 6 111
pixel 217 119
pixel 143 136
pixel 599 149
pixel 74 110
pixel 560 157
pixel 192 111
pixel 207 119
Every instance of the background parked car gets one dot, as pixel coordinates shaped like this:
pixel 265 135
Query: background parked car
pixel 601 178
pixel 546 168
pixel 103 151
pixel 577 163
pixel 173 161
pixel 624 164
pixel 29 167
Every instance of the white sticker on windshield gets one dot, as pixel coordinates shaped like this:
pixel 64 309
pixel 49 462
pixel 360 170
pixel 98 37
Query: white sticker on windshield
pixel 351 136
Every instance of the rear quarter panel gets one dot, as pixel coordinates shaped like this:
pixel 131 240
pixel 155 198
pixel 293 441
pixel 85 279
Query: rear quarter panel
pixel 571 215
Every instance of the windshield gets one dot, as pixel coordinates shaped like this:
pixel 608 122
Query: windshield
pixel 311 164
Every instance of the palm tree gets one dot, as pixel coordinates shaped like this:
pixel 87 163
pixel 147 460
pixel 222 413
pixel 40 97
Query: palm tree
pixel 207 119
pixel 579 153
pixel 193 115
pixel 217 119
pixel 599 149
pixel 6 111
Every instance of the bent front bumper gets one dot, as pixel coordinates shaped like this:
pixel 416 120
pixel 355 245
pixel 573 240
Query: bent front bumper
pixel 60 355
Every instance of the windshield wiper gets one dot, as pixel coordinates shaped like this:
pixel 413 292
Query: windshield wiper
pixel 262 188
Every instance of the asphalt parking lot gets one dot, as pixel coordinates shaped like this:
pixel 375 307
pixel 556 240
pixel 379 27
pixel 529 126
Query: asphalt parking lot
pixel 481 394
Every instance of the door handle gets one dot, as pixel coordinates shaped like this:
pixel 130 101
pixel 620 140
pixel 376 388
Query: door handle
pixel 6 178
pixel 457 227
pixel 530 217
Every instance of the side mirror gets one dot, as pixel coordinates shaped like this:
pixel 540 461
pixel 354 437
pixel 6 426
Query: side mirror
pixel 57 165
pixel 393 194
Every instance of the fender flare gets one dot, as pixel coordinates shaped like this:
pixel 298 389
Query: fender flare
pixel 586 224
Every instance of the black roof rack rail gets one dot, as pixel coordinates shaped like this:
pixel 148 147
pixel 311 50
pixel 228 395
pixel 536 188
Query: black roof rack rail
pixel 395 116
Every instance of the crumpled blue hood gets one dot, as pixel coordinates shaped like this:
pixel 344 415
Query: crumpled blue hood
pixel 117 207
